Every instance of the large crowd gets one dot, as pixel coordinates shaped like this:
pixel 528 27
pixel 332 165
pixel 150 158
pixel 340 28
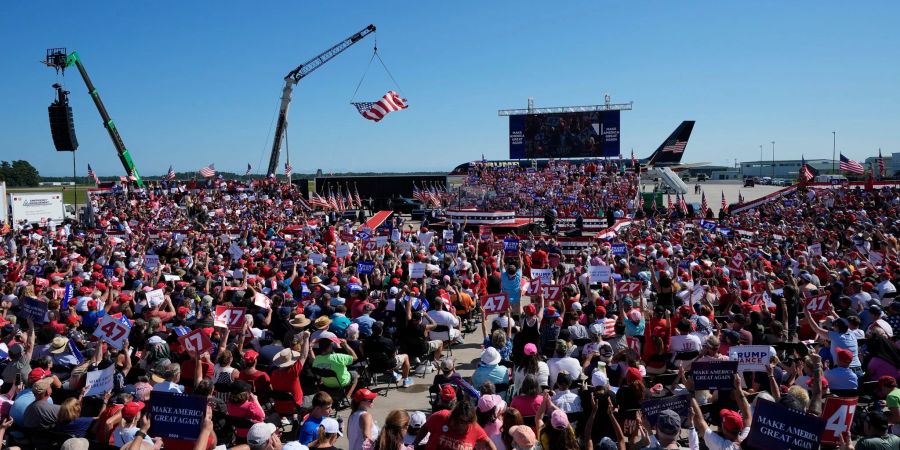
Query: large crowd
pixel 282 322
pixel 587 189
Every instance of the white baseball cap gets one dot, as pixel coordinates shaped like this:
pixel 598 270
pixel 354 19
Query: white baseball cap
pixel 331 426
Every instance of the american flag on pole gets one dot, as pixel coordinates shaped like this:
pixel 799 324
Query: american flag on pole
pixel 317 200
pixel 724 203
pixel 288 169
pixel 634 162
pixel 377 110
pixel 704 207
pixel 249 169
pixel 356 195
pixel 170 175
pixel 93 175
pixel 806 174
pixel 849 165
pixel 669 206
pixel 880 165
pixel 682 204
pixel 208 171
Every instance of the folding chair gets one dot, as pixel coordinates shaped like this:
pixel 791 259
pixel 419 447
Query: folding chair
pixel 338 394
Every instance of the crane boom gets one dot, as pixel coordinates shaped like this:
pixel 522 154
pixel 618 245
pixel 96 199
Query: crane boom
pixel 58 58
pixel 294 77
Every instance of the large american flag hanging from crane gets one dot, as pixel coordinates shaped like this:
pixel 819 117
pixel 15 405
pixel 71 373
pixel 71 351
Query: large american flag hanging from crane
pixel 377 110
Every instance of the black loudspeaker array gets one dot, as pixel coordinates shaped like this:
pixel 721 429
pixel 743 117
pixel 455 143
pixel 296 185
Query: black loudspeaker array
pixel 62 124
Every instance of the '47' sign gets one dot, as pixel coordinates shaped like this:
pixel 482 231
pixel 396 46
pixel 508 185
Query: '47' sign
pixel 552 292
pixel 195 342
pixel 113 331
pixel 231 317
pixel 495 303
pixel 817 304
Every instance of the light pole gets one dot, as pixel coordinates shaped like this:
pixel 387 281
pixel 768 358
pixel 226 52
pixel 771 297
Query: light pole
pixel 773 159
pixel 833 149
pixel 760 160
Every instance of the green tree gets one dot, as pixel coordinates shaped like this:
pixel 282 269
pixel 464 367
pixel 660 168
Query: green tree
pixel 19 174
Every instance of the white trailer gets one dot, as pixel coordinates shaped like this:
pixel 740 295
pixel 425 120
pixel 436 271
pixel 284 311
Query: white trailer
pixel 37 207
pixel 4 209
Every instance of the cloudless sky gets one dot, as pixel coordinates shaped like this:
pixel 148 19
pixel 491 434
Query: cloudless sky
pixel 191 83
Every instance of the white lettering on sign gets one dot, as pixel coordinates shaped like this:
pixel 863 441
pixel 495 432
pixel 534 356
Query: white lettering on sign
pixel 495 303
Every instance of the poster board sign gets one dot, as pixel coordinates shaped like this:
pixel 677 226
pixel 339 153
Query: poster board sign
pixel 451 248
pixel 678 403
pixel 815 250
pixel 370 245
pixel 176 416
pixel 35 309
pixel 534 286
pixel 630 288
pixel 567 279
pixel 838 414
pixel 381 241
pixel 155 297
pixel 619 249
pixel 546 275
pixel 876 258
pixel 753 358
pixel 316 258
pixel 495 303
pixel 416 270
pixel 151 262
pixel 235 251
pixel 552 293
pixel 262 300
pixel 736 261
pixel 511 246
pixel 196 342
pixel 775 426
pixel 600 274
pixel 231 317
pixel 485 233
pixel 99 382
pixel 365 267
pixel 817 304
pixel 447 235
pixel 342 251
pixel 714 375
pixel 113 331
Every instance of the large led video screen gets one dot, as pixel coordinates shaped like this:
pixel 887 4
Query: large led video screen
pixel 564 135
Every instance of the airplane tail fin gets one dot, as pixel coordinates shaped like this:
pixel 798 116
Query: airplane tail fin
pixel 672 149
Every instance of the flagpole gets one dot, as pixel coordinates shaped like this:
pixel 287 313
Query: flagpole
pixel 833 149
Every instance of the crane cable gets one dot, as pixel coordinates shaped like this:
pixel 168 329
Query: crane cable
pixel 369 66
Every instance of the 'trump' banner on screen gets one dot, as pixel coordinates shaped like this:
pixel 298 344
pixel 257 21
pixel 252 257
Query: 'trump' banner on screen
pixel 564 135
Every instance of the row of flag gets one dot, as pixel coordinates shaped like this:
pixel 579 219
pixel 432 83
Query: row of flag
pixel 682 204
pixel 431 195
pixel 808 173
pixel 337 202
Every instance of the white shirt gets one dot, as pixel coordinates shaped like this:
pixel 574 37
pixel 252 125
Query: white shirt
pixel 543 376
pixel 685 343
pixel 445 318
pixel 568 401
pixel 715 441
pixel 567 364
pixel 881 323
pixel 885 287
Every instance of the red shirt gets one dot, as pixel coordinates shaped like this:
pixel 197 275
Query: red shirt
pixel 288 380
pixel 188 367
pixel 260 382
pixel 442 438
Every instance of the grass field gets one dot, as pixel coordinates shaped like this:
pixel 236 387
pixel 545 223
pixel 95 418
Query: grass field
pixel 70 194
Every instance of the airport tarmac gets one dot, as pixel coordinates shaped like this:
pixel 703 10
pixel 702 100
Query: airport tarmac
pixel 715 189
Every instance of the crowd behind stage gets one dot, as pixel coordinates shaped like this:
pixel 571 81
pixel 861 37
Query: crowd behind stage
pixel 223 315
pixel 571 189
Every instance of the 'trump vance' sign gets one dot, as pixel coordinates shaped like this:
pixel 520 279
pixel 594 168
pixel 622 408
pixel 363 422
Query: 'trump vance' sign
pixel 753 358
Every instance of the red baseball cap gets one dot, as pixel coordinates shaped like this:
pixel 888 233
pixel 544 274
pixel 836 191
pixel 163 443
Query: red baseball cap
pixel 633 374
pixel 364 395
pixel 38 374
pixel 448 393
pixel 132 409
pixel 731 420
pixel 250 356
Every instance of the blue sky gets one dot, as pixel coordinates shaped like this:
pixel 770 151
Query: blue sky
pixel 193 83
